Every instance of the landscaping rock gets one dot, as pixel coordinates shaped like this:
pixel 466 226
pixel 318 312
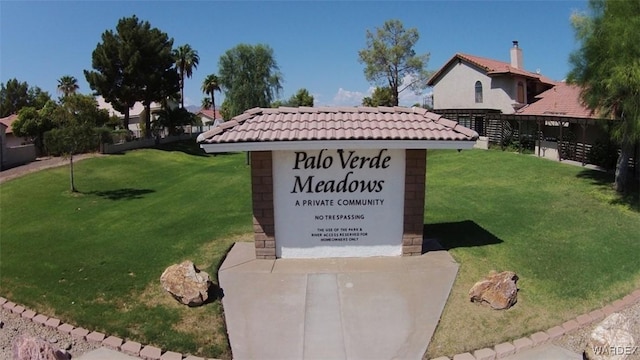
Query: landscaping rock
pixel 186 283
pixel 27 347
pixel 499 290
pixel 611 340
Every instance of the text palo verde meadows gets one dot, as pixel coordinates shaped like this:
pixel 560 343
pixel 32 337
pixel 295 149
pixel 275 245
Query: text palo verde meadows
pixel 347 161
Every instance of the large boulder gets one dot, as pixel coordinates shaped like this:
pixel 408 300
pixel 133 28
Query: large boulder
pixel 26 347
pixel 186 283
pixel 499 290
pixel 611 339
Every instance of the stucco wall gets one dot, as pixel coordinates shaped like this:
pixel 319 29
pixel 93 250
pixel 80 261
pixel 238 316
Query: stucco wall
pixel 456 90
pixel 13 141
pixel 18 155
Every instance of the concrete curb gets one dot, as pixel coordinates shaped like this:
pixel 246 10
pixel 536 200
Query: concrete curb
pixel 505 349
pixel 128 347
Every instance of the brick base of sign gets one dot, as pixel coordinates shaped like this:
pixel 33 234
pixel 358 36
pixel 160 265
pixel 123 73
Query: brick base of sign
pixel 262 190
pixel 263 218
pixel 414 185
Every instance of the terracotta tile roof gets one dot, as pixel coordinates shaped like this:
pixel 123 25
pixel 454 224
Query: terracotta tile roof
pixel 336 123
pixel 491 67
pixel 7 121
pixel 209 113
pixel 561 100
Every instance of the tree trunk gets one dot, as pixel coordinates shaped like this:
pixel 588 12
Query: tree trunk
pixel 622 167
pixel 73 185
pixel 213 103
pixel 182 94
pixel 147 120
pixel 125 121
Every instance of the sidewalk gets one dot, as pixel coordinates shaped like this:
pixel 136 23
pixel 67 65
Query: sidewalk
pixel 41 164
pixel 338 308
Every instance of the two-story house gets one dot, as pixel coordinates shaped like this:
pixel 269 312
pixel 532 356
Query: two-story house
pixel 469 88
pixel 503 102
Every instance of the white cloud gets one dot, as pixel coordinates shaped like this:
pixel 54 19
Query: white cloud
pixel 347 98
pixel 408 97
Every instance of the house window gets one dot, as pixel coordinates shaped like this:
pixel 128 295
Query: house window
pixel 520 98
pixel 478 92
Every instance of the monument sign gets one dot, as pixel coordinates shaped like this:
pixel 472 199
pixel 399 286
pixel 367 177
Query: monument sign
pixel 337 182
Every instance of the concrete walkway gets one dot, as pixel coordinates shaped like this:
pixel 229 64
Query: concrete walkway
pixel 339 308
pixel 41 164
pixel 545 352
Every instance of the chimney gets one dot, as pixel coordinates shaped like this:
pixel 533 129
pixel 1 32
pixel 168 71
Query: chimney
pixel 516 56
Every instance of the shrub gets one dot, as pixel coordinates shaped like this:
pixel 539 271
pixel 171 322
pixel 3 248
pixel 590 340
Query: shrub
pixel 71 140
pixel 604 154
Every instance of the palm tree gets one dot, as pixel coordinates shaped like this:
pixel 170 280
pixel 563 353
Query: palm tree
pixel 187 60
pixel 206 103
pixel 210 85
pixel 68 85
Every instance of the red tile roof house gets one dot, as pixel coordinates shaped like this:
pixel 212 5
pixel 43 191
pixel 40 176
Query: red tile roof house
pixel 11 139
pixel 502 102
pixel 558 114
pixel 210 118
pixel 336 182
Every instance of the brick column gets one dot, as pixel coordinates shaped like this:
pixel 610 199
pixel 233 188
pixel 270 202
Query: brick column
pixel 414 189
pixel 262 195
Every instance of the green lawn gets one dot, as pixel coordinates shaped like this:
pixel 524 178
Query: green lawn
pixel 95 258
pixel 572 241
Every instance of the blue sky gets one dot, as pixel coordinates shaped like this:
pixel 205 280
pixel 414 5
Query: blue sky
pixel 315 43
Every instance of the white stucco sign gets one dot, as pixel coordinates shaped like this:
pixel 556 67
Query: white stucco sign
pixel 338 203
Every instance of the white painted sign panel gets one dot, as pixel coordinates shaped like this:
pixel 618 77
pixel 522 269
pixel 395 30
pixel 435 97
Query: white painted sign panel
pixel 338 202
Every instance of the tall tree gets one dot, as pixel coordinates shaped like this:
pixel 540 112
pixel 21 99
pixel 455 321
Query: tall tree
pixel 114 76
pixel 390 59
pixel 301 98
pixel 607 67
pixel 210 85
pixel 135 63
pixel 16 95
pixel 187 60
pixel 250 77
pixel 68 85
pixel 173 120
pixel 381 96
pixel 160 80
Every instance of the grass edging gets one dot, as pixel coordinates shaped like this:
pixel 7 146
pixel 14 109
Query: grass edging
pixel 133 348
pixel 128 347
pixel 504 349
